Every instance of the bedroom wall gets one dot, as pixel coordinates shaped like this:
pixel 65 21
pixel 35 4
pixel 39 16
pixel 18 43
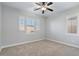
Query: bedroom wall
pixel 11 33
pixel 56 27
pixel 0 24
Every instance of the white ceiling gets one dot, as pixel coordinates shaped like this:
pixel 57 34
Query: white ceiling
pixel 30 6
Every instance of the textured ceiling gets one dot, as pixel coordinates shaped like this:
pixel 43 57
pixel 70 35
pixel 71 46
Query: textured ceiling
pixel 30 6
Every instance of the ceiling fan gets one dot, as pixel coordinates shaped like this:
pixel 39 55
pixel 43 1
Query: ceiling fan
pixel 44 6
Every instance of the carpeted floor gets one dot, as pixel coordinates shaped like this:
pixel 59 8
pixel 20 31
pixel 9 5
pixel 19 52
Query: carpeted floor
pixel 40 48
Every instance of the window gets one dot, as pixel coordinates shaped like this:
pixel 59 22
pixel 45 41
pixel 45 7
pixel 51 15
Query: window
pixel 72 25
pixel 37 25
pixel 29 25
pixel 22 24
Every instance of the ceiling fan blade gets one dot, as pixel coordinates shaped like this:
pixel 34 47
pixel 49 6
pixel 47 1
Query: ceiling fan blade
pixel 38 4
pixel 43 3
pixel 43 12
pixel 50 3
pixel 37 9
pixel 49 9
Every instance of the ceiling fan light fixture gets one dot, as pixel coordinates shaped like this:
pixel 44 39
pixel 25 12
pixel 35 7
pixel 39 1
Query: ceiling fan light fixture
pixel 43 8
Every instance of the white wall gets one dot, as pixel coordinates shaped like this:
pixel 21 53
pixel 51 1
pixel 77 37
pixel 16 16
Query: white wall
pixel 11 33
pixel 0 25
pixel 53 28
pixel 56 27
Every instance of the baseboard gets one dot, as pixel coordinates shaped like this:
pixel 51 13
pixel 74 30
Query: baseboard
pixel 6 46
pixel 72 45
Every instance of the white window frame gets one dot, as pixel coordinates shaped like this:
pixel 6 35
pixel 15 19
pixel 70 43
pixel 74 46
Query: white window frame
pixel 69 16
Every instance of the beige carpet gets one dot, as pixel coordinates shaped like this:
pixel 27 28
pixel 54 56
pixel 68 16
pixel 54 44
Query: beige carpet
pixel 40 48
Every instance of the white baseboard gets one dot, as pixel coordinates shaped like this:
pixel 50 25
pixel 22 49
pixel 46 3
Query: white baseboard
pixel 19 43
pixel 72 45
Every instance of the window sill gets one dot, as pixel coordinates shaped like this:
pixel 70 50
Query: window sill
pixel 73 34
